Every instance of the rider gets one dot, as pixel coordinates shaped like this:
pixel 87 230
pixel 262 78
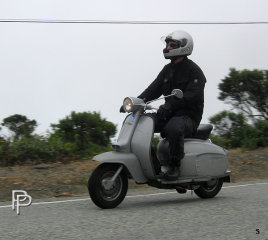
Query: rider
pixel 177 118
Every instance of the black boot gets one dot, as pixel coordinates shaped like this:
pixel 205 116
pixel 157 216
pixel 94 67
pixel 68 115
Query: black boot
pixel 172 173
pixel 164 170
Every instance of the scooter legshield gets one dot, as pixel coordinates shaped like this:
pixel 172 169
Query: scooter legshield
pixel 141 145
pixel 133 148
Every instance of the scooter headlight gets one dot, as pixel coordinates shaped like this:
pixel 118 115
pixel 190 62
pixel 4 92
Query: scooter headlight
pixel 128 104
pixel 133 104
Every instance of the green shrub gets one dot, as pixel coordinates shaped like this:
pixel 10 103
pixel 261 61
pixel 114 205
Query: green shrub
pixel 216 139
pixel 249 143
pixel 231 130
pixel 36 149
pixel 262 133
pixel 255 136
pixel 33 149
pixel 155 141
pixel 4 146
pixel 79 135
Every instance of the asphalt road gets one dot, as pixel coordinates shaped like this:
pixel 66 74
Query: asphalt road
pixel 240 211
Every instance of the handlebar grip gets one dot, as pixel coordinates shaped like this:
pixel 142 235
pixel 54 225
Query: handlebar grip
pixel 149 107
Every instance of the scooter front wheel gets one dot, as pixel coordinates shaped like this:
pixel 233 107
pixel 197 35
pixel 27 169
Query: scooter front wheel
pixel 111 195
pixel 209 189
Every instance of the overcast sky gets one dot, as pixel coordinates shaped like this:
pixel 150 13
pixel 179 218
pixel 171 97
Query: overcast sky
pixel 49 70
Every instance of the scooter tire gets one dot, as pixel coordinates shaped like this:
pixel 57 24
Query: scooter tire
pixel 102 197
pixel 208 190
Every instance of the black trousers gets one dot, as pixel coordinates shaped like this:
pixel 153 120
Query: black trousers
pixel 175 129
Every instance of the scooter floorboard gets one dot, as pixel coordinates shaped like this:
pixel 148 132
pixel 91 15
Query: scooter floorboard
pixel 183 180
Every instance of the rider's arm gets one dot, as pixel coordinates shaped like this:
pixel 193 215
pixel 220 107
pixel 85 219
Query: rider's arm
pixel 155 88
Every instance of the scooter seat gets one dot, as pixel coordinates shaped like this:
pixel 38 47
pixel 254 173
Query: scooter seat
pixel 203 131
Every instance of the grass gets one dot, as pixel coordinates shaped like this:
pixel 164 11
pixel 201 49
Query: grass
pixel 241 151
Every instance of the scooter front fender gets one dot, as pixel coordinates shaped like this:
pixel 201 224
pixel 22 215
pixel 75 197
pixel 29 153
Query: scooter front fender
pixel 129 160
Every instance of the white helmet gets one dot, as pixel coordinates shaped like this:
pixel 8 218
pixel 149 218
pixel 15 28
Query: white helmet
pixel 185 46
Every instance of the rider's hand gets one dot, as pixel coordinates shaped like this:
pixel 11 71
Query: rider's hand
pixel 122 110
pixel 165 111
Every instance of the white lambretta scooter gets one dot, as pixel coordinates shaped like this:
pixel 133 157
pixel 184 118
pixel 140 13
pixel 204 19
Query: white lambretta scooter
pixel 203 169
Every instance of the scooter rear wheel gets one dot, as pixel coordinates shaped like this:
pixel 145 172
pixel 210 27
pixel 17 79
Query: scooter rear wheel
pixel 103 196
pixel 209 189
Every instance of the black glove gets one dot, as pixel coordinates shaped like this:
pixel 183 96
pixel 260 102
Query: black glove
pixel 165 111
pixel 122 110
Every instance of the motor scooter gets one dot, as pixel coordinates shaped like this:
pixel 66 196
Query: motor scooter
pixel 203 169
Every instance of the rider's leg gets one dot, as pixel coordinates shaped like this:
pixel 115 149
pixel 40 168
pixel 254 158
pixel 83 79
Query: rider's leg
pixel 175 130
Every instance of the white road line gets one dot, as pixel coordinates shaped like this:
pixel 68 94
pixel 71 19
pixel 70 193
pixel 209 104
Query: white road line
pixel 245 185
pixel 134 196
pixel 42 203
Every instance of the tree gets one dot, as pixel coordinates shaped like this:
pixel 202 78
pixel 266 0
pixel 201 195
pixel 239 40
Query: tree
pixel 20 125
pixel 230 127
pixel 246 91
pixel 2 139
pixel 85 128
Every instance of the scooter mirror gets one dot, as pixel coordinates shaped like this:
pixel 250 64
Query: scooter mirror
pixel 177 93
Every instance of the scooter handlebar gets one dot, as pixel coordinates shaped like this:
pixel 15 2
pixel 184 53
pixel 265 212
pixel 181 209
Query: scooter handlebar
pixel 150 107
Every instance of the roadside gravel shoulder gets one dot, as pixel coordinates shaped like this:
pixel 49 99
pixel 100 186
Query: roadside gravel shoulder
pixel 70 180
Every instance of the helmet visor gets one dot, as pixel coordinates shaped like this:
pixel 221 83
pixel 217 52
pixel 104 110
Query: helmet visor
pixel 181 43
pixel 173 44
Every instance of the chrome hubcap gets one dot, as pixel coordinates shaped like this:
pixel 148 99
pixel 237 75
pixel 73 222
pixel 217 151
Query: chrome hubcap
pixel 211 185
pixel 110 190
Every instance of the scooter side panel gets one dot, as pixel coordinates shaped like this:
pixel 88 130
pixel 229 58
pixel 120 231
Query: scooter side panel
pixel 129 160
pixel 211 165
pixel 211 160
pixel 202 158
pixel 141 145
pixel 188 163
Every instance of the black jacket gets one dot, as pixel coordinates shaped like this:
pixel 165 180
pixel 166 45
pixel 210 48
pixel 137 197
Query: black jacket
pixel 186 76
